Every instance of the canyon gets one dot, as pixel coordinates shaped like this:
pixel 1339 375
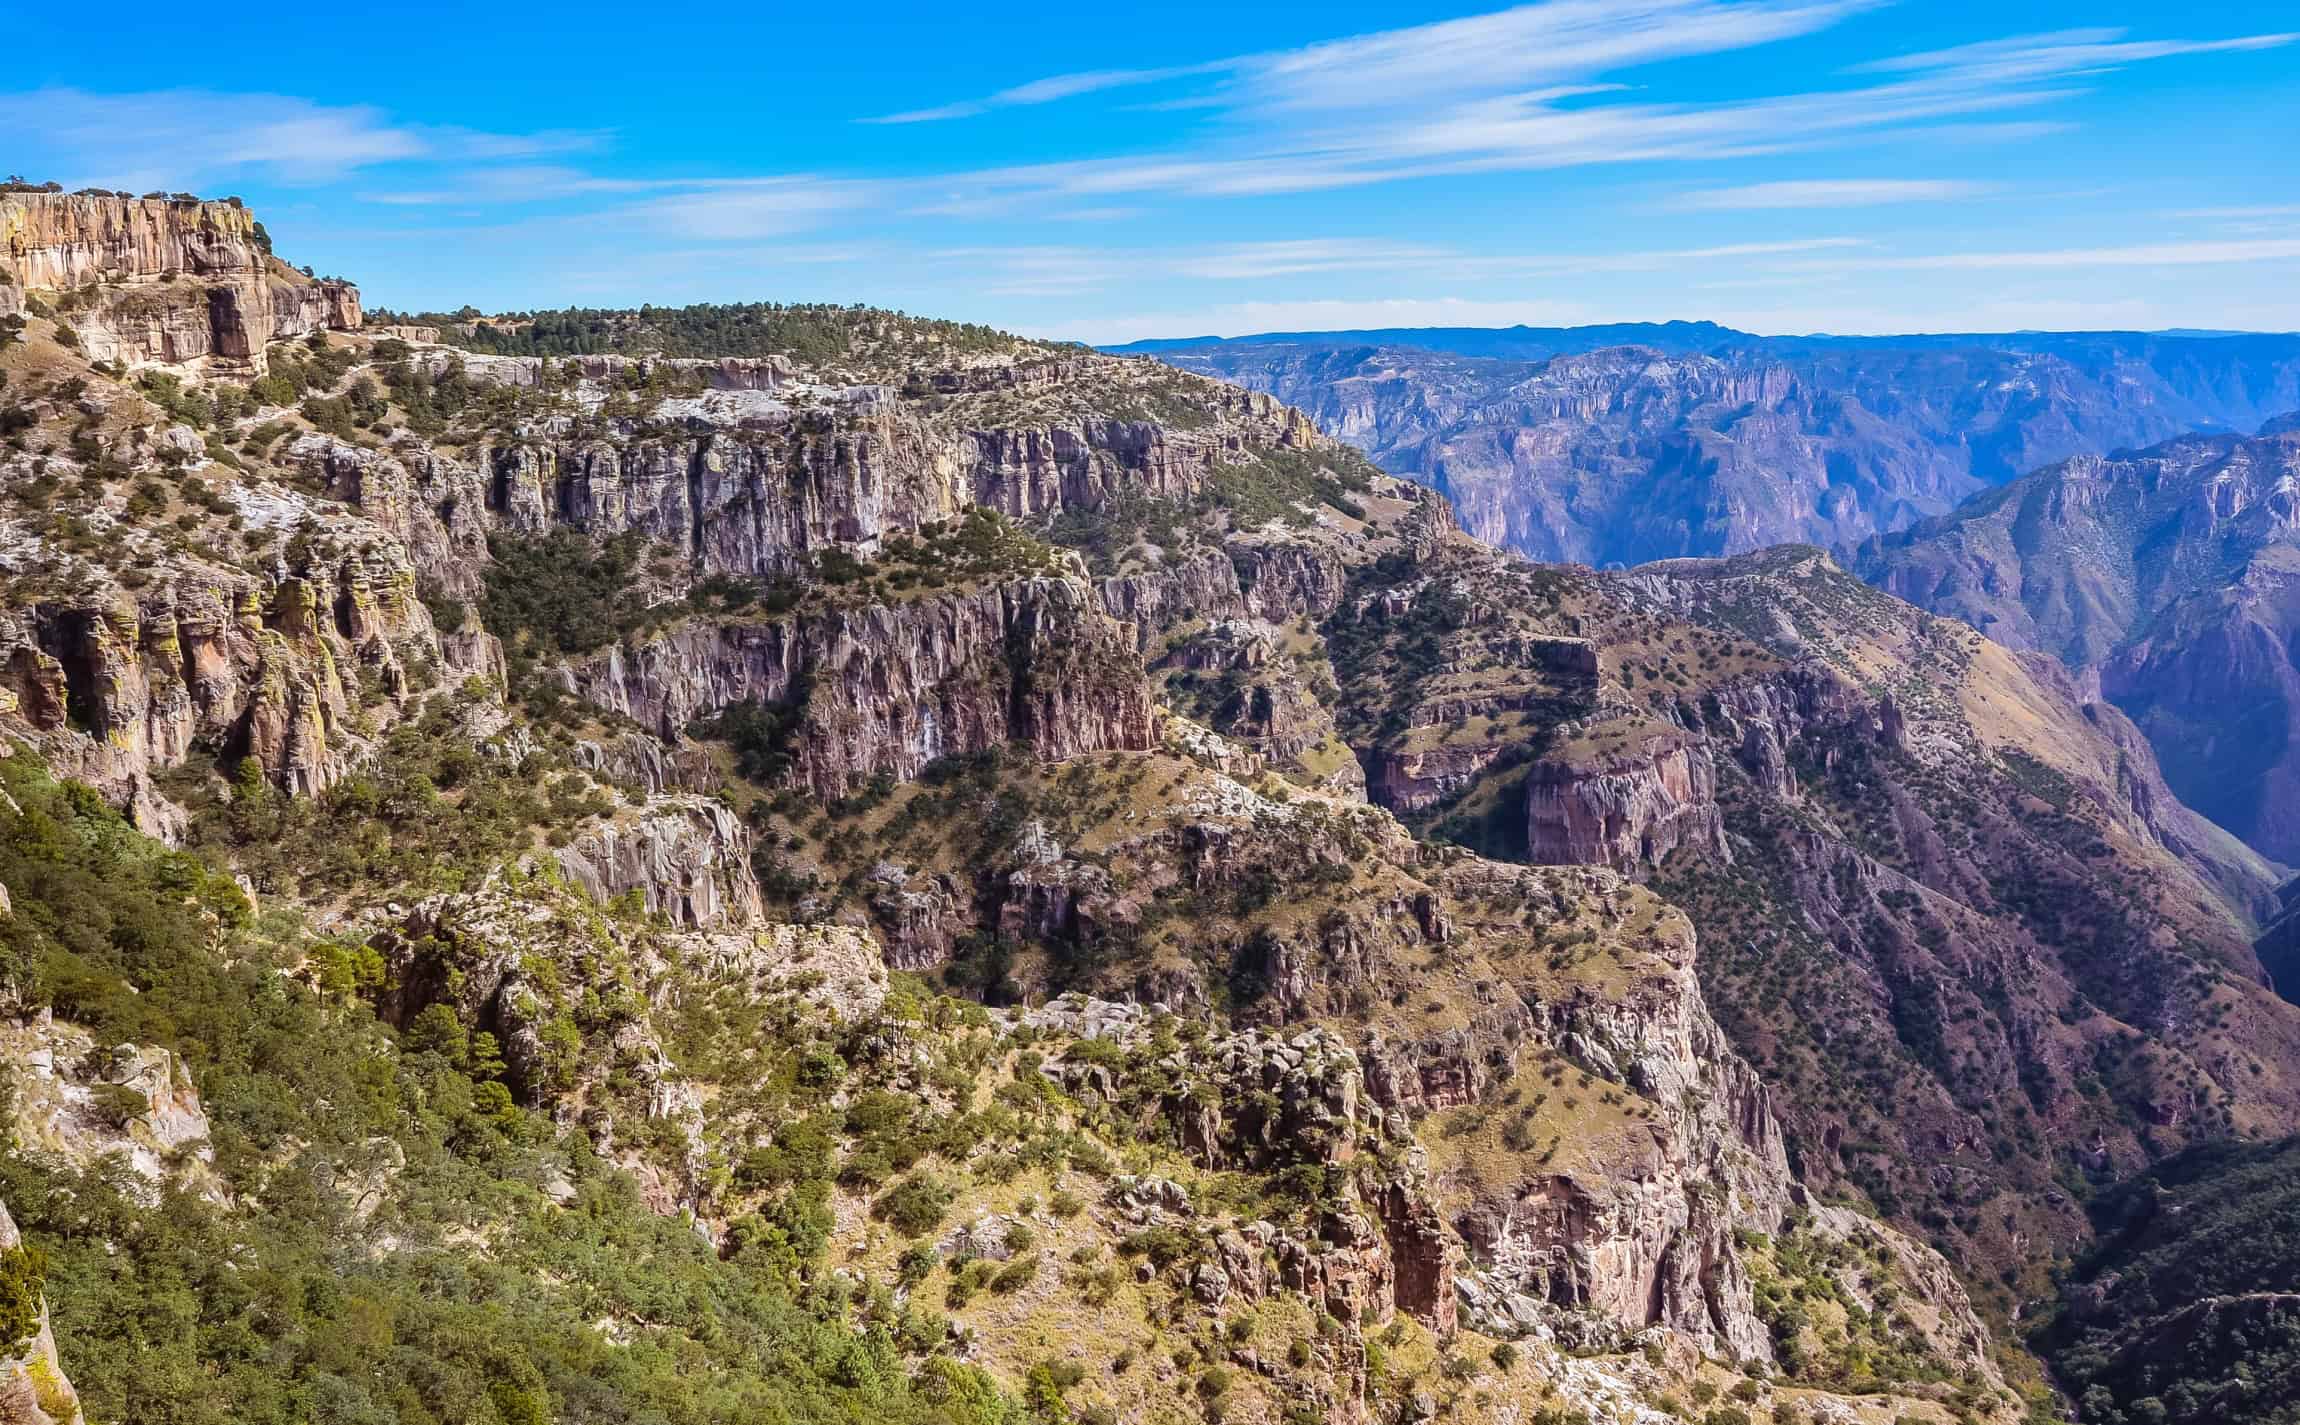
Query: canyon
pixel 1042 828
pixel 1624 444
pixel 2164 575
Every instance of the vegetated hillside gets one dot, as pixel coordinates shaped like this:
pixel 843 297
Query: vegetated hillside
pixel 2185 1311
pixel 2168 575
pixel 819 334
pixel 538 885
pixel 1624 444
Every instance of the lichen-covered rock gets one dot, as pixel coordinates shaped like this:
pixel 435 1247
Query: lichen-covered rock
pixel 84 1101
pixel 294 669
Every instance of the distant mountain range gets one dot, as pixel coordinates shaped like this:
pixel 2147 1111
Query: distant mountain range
pixel 2171 576
pixel 1624 443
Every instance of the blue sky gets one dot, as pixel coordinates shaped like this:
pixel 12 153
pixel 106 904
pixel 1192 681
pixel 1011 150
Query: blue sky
pixel 1780 165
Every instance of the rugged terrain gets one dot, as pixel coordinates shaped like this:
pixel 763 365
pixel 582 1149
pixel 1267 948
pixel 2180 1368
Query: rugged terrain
pixel 2184 1311
pixel 2166 577
pixel 1623 444
pixel 829 880
pixel 897 870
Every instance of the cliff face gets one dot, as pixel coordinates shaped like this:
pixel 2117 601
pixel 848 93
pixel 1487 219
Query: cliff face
pixel 58 241
pixel 87 1103
pixel 2167 575
pixel 758 472
pixel 1647 1237
pixel 687 858
pixel 178 282
pixel 1893 837
pixel 294 670
pixel 885 690
pixel 1629 809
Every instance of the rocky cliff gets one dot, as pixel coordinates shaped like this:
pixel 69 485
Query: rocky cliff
pixel 756 471
pixel 1870 814
pixel 165 280
pixel 294 667
pixel 1943 840
pixel 1629 808
pixel 886 690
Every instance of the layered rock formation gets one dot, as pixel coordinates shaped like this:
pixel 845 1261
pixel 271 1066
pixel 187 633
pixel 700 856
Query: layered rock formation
pixel 687 858
pixel 174 281
pixel 295 670
pixel 765 469
pixel 882 691
pixel 1946 839
pixel 1631 808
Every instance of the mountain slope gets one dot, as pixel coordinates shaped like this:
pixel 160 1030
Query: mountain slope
pixel 1949 908
pixel 2185 1312
pixel 2167 574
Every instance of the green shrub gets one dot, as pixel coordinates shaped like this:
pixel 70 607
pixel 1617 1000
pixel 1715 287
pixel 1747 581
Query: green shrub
pixel 915 1205
pixel 1016 1274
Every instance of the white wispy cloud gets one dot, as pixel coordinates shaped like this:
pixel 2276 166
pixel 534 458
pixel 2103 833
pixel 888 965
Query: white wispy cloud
pixel 1242 318
pixel 2146 254
pixel 2240 211
pixel 1830 193
pixel 734 210
pixel 2063 52
pixel 1527 89
pixel 185 137
pixel 1047 270
pixel 1508 49
pixel 1046 91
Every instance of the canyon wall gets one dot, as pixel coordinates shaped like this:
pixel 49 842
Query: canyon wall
pixel 184 283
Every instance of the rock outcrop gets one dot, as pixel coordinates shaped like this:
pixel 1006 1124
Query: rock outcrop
pixel 686 857
pixel 765 468
pixel 84 1102
pixel 884 690
pixel 1630 808
pixel 33 1387
pixel 293 669
pixel 174 281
